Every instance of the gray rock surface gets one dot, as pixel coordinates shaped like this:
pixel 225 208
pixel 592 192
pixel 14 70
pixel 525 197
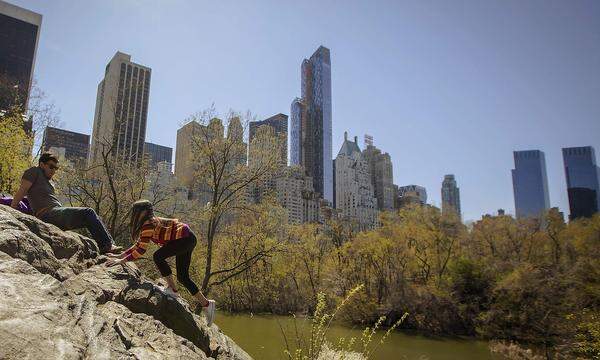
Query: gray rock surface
pixel 58 301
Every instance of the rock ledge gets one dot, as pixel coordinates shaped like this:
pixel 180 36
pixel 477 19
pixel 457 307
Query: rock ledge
pixel 58 301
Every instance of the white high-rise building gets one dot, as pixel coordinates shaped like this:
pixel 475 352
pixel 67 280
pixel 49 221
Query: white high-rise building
pixel 353 192
pixel 121 110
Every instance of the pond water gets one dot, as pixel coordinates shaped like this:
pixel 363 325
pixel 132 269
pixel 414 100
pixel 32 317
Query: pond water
pixel 261 337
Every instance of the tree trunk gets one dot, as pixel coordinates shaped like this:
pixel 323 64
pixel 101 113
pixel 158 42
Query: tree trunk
pixel 207 268
pixel 212 228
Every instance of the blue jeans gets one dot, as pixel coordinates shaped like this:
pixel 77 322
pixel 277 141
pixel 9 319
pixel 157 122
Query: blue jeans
pixel 70 218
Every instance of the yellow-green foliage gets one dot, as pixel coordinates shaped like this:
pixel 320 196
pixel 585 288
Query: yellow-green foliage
pixel 587 335
pixel 504 278
pixel 15 151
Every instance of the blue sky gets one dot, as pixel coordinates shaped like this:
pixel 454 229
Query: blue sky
pixel 443 86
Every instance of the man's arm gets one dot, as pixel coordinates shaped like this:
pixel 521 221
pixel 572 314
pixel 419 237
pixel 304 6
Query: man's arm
pixel 23 189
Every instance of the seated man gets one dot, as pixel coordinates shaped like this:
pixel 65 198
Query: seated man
pixel 36 184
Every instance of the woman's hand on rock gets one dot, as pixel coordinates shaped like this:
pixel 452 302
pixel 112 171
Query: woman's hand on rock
pixel 114 261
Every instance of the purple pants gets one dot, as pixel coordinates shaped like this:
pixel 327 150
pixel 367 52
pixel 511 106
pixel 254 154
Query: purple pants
pixel 23 204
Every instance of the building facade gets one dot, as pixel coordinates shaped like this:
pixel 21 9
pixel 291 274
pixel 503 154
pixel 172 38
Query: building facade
pixel 293 190
pixel 184 156
pixel 266 146
pixel 235 133
pixel 409 194
pixel 311 123
pixel 297 116
pixel 450 196
pixel 70 145
pixel 121 110
pixel 530 184
pixel 185 159
pixel 583 176
pixel 354 196
pixel 279 124
pixel 381 170
pixel 19 36
pixel 158 154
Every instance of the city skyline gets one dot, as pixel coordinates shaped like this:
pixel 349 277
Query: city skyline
pixel 550 113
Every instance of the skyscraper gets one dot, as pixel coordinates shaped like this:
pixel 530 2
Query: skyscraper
pixel 382 178
pixel 235 133
pixel 184 157
pixel 235 129
pixel 68 144
pixel 279 123
pixel 354 197
pixel 311 123
pixel 583 186
pixel 121 110
pixel 295 139
pixel 530 183
pixel 19 35
pixel 450 195
pixel 158 154
pixel 185 165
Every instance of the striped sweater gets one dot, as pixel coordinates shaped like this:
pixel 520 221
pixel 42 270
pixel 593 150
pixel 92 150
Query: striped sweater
pixel 160 233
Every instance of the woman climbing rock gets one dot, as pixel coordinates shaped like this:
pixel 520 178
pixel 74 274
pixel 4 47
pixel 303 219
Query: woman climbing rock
pixel 175 239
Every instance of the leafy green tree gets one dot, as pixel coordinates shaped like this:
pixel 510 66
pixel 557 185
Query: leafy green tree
pixel 15 150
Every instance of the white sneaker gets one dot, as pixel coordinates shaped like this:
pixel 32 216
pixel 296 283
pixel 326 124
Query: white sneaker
pixel 210 311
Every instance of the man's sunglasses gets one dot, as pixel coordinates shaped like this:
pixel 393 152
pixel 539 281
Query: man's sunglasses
pixel 53 167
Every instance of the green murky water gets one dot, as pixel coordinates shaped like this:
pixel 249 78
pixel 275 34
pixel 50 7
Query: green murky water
pixel 261 337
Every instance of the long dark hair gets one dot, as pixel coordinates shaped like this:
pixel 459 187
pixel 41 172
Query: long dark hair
pixel 136 222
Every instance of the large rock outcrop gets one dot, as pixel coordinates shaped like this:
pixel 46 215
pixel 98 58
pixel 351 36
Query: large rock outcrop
pixel 58 301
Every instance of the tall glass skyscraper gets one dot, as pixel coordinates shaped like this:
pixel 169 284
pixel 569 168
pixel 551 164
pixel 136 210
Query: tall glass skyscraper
pixel 583 176
pixel 530 183
pixel 311 123
pixel 450 195
pixel 19 35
